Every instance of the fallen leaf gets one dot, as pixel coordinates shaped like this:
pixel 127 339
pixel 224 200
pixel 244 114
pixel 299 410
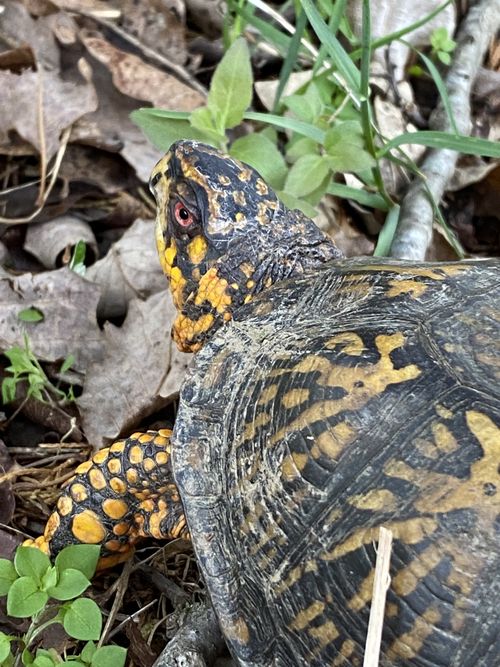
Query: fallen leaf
pixel 141 369
pixel 7 503
pixel 19 28
pixel 135 78
pixel 68 303
pixel 129 270
pixel 48 241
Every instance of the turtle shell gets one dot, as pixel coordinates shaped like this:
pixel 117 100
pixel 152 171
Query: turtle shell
pixel 364 395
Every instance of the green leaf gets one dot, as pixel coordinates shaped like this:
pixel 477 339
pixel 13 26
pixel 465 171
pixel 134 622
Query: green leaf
pixel 292 203
pixel 301 146
pixel 30 315
pixel 67 363
pixel 8 394
pixel 305 129
pixel 231 87
pixel 386 236
pixel 43 661
pixel 344 144
pixel 77 262
pixel 30 562
pixel 444 57
pixel 435 139
pixel 307 107
pixel 71 584
pixel 82 557
pixel 349 131
pixel 49 579
pixel 262 154
pixel 162 130
pixel 440 85
pixel 202 120
pixel 4 646
pixel 83 620
pixel 109 656
pixel 306 174
pixel 363 197
pixel 27 657
pixel 24 598
pixel 88 651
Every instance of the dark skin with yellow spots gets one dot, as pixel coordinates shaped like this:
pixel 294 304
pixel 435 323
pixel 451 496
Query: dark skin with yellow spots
pixel 330 398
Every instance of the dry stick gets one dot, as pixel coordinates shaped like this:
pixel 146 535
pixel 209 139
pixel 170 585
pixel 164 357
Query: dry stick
pixel 41 137
pixel 380 585
pixel 414 231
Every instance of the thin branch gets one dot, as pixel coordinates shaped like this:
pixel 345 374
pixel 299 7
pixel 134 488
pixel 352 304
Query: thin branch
pixel 380 585
pixel 414 232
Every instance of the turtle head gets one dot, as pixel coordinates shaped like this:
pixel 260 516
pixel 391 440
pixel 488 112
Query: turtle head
pixel 222 236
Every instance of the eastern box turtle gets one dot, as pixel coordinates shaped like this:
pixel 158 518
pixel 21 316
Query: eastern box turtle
pixel 330 397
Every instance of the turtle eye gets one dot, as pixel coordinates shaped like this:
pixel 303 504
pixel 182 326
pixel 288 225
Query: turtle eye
pixel 183 216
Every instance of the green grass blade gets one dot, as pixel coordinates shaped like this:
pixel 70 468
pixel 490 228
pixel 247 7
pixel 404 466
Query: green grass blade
pixel 435 139
pixel 363 197
pixel 291 58
pixel 160 113
pixel 442 91
pixel 304 129
pixel 271 34
pixel 345 66
pixel 384 242
pixel 333 27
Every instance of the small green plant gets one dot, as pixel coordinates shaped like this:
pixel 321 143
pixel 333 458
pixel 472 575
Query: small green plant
pixel 77 261
pixel 442 45
pixel 35 589
pixel 25 367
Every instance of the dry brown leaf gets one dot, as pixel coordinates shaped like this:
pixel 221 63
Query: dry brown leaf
pixel 7 503
pixel 48 240
pixel 101 169
pixel 18 28
pixel 63 103
pixel 159 25
pixel 68 304
pixel 141 364
pixel 131 269
pixel 135 78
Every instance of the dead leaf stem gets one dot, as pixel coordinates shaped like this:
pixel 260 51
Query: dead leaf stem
pixel 414 232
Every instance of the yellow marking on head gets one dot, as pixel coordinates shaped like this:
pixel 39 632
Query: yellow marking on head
pixel 184 330
pixel 295 397
pixel 351 343
pixel 240 217
pixel 239 198
pixel 51 526
pixel 245 175
pixel 213 289
pixel 177 285
pixel 78 492
pixel 115 466
pixel 121 528
pixel 250 284
pixel 411 531
pixel 412 287
pixel 162 458
pixel 115 509
pixel 97 479
pixel 101 456
pixel 87 528
pixel 135 454
pixel 148 464
pixel 118 485
pixel 305 616
pixel 261 187
pixel 223 179
pixel 64 505
pixel 375 500
pixel 197 249
pixel 84 467
pixel 117 447
pixel 248 298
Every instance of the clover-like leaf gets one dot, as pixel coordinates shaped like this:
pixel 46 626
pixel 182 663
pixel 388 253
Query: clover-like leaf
pixel 82 557
pixel 82 619
pixel 25 598
pixel 71 584
pixel 8 575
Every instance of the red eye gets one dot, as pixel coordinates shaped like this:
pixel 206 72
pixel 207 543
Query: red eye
pixel 183 216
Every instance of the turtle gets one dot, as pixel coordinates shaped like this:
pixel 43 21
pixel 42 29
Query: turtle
pixel 328 397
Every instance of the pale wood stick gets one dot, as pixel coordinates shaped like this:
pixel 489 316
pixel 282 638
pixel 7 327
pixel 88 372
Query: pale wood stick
pixel 381 584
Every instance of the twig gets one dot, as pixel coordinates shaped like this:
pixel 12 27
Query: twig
pixel 55 172
pixel 41 137
pixel 380 586
pixel 414 232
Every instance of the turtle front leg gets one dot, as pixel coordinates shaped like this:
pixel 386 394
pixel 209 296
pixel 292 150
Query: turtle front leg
pixel 123 493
